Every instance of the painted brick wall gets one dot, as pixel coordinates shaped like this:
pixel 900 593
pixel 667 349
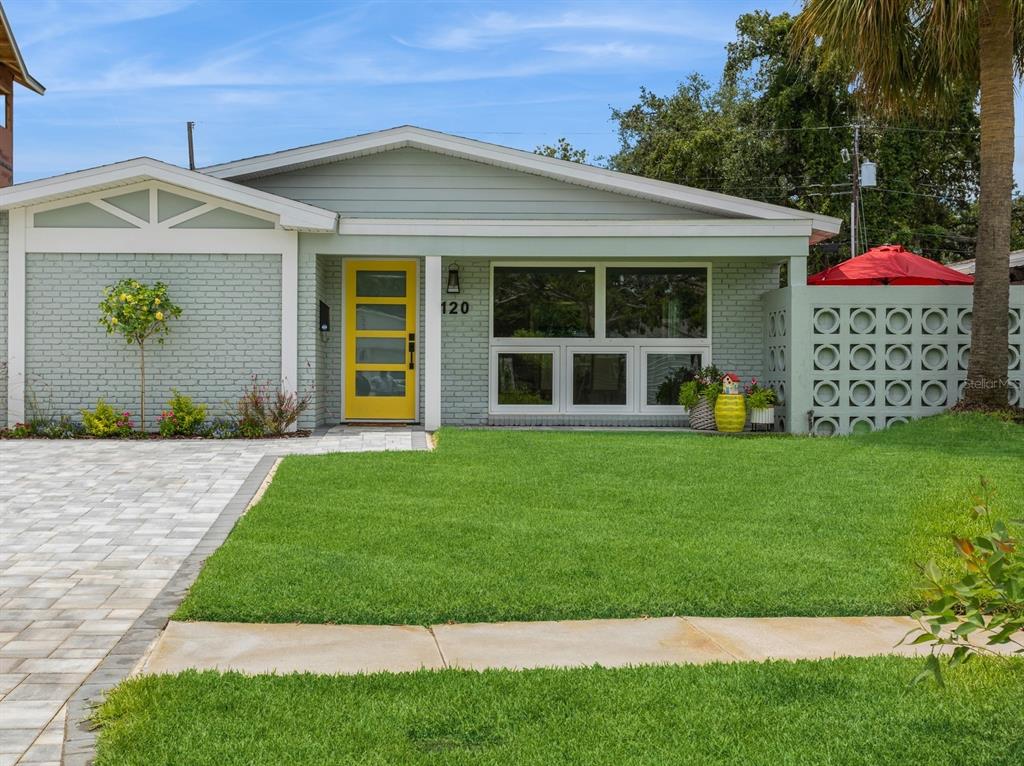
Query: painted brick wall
pixel 464 346
pixel 736 332
pixel 308 338
pixel 3 317
pixel 329 274
pixel 229 329
pixel 737 337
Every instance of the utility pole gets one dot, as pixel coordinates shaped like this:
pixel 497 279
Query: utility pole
pixel 191 147
pixel 855 176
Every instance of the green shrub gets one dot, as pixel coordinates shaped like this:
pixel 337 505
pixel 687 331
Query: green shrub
pixel 19 431
pixel 221 428
pixel 760 397
pixel 703 384
pixel 182 417
pixel 984 606
pixel 105 422
pixel 62 428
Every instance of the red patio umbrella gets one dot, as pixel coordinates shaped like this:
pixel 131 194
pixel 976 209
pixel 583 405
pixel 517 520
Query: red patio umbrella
pixel 889 265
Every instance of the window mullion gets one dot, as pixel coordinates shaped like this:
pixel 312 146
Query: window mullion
pixel 599 301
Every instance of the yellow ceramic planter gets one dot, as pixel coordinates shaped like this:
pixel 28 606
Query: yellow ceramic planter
pixel 730 413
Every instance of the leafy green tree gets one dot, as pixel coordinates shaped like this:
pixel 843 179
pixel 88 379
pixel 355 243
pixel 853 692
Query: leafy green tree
pixel 562 150
pixel 138 312
pixel 773 130
pixel 920 57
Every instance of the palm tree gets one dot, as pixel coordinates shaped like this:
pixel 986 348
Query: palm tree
pixel 912 56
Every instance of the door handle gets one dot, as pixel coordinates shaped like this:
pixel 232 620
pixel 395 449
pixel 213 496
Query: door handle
pixel 412 351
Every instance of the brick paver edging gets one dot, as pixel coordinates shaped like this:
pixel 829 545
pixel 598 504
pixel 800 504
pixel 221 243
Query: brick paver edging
pixel 79 737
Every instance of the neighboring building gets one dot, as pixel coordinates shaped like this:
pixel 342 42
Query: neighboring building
pixel 1016 267
pixel 414 276
pixel 12 70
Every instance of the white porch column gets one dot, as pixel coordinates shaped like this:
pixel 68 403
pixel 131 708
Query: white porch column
pixel 797 270
pixel 290 314
pixel 432 344
pixel 16 318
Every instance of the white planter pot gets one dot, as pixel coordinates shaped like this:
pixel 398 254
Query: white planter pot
pixel 762 419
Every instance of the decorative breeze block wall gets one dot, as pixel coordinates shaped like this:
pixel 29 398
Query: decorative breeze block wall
pixel 879 356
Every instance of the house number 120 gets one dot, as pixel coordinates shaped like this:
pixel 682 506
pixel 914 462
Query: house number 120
pixel 454 307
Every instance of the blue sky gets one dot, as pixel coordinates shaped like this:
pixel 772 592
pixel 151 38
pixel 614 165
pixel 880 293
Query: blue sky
pixel 124 76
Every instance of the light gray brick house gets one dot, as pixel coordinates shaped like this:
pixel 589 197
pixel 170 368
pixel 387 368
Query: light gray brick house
pixel 405 275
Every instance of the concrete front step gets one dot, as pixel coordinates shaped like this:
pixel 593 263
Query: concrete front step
pixel 263 648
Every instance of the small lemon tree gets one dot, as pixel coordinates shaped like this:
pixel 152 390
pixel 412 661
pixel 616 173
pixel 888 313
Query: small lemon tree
pixel 138 312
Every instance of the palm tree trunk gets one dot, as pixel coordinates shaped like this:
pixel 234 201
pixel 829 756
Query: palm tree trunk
pixel 987 382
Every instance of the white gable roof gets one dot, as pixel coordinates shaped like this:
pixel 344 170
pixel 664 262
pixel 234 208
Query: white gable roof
pixel 967 267
pixel 517 159
pixel 291 214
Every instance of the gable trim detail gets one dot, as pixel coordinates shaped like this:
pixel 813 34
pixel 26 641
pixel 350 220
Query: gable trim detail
pixel 289 213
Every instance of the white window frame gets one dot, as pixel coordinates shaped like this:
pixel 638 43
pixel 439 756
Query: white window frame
pixel 705 360
pixel 556 387
pixel 564 348
pixel 600 409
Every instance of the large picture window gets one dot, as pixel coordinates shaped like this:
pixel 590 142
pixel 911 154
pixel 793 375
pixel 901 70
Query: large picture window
pixel 597 337
pixel 544 302
pixel 649 302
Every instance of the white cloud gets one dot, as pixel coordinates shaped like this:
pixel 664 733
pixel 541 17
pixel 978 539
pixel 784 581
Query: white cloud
pixel 49 20
pixel 492 28
pixel 617 50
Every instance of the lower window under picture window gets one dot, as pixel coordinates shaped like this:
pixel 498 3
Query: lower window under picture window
pixel 665 374
pixel 599 379
pixel 525 379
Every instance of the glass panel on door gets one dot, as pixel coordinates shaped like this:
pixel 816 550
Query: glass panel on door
pixel 380 340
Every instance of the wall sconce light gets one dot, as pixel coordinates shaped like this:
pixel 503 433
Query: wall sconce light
pixel 325 317
pixel 453 279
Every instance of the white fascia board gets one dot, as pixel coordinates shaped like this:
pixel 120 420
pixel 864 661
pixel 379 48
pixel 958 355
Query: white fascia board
pixel 413 227
pixel 291 214
pixel 517 159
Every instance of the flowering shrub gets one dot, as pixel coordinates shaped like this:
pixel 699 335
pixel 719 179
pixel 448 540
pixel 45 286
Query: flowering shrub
pixel 759 397
pixel 703 384
pixel 104 421
pixel 182 417
pixel 262 411
pixel 62 428
pixel 45 428
pixel 221 428
pixel 19 431
pixel 138 312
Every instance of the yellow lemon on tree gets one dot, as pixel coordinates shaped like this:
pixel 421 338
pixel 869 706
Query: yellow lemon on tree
pixel 159 316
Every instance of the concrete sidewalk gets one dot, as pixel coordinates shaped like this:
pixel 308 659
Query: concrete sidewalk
pixel 265 648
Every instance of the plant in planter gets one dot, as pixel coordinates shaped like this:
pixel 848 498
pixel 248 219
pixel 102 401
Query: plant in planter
pixel 138 312
pixel 761 401
pixel 698 395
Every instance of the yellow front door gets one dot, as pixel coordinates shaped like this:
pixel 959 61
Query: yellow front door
pixel 380 340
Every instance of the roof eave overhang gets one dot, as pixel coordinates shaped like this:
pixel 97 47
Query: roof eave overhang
pixel 21 74
pixel 291 214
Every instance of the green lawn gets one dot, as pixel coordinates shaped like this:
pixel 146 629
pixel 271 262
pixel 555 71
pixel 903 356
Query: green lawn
pixel 849 711
pixel 520 525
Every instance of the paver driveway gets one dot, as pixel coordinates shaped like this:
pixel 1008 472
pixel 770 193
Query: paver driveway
pixel 91 532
